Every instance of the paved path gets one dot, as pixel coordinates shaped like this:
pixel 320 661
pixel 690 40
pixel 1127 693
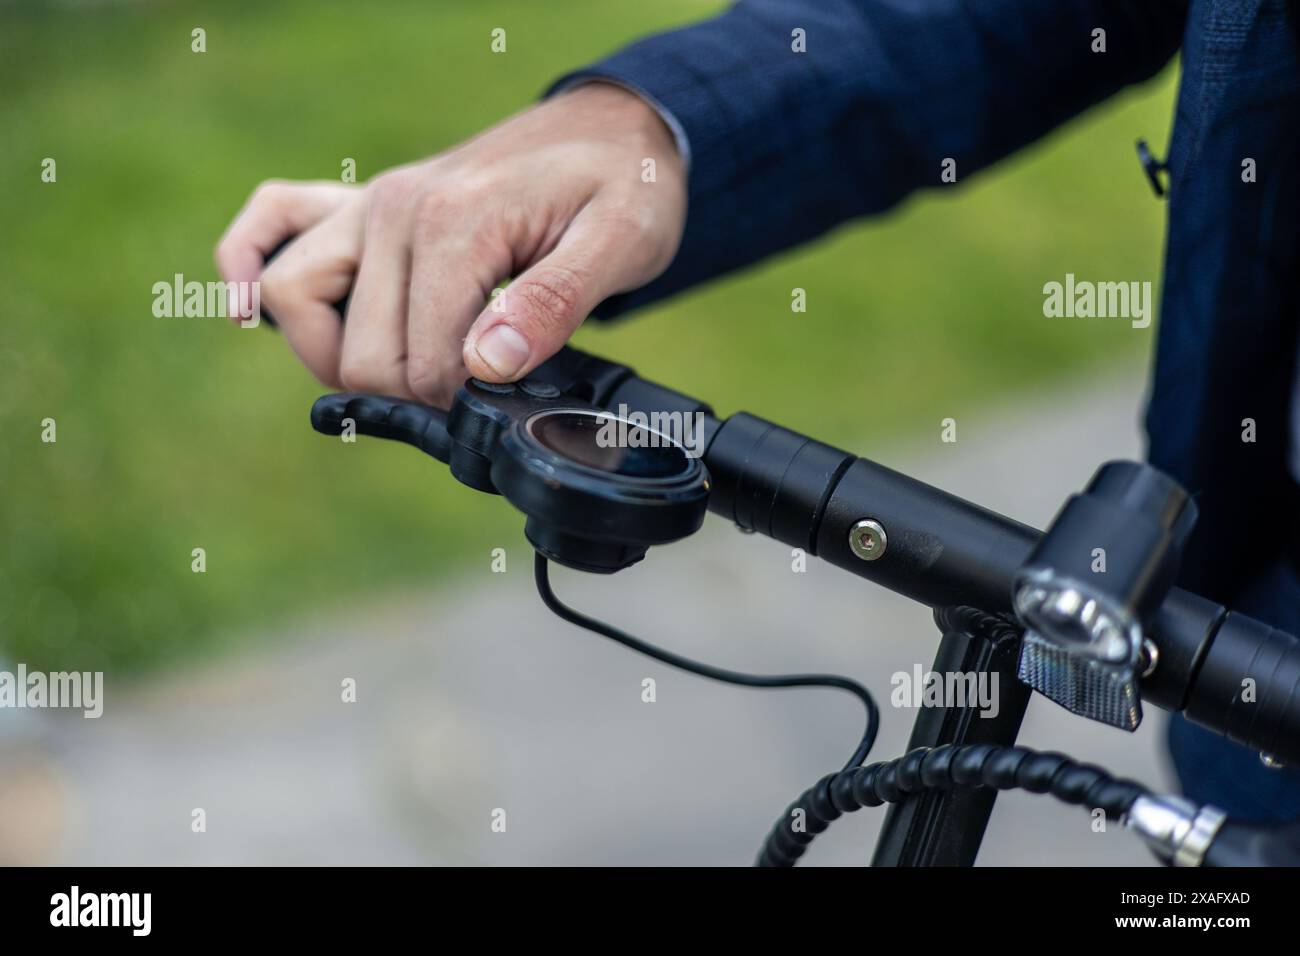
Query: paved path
pixel 473 698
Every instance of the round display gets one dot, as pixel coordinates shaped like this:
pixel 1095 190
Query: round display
pixel 608 444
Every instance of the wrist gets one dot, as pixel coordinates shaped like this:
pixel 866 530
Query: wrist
pixel 615 105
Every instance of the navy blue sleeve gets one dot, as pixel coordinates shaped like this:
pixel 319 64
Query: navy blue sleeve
pixel 785 145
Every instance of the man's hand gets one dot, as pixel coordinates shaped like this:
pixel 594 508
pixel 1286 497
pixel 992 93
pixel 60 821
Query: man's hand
pixel 553 196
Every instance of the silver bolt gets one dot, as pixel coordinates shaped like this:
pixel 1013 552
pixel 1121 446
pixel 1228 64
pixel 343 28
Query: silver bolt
pixel 867 539
pixel 1150 659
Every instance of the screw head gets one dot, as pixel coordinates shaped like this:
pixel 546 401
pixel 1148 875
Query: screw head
pixel 867 539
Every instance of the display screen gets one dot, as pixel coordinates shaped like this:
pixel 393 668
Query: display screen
pixel 609 444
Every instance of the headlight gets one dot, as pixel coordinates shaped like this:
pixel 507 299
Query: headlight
pixel 1107 560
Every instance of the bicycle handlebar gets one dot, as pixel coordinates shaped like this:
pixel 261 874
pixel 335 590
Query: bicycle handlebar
pixel 1227 672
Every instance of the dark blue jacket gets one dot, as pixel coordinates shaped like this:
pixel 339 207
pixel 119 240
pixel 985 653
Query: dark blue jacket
pixel 784 146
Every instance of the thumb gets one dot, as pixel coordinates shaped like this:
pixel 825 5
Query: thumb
pixel 532 318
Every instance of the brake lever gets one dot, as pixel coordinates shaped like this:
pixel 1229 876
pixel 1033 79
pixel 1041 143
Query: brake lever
pixel 420 426
pixel 570 372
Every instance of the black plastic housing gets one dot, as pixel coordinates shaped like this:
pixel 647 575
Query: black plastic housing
pixel 1139 517
pixel 777 481
pixel 578 515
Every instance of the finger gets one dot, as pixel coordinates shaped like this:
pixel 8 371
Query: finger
pixel 374 336
pixel 454 268
pixel 301 285
pixel 276 211
pixel 604 251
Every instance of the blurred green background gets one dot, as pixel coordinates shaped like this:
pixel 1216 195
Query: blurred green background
pixel 175 434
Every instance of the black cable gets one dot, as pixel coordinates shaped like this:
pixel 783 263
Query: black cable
pixel 943 768
pixel 714 673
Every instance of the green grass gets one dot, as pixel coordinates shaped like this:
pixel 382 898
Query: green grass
pixel 182 433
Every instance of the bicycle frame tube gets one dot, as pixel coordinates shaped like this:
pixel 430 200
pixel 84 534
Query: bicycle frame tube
pixel 946 827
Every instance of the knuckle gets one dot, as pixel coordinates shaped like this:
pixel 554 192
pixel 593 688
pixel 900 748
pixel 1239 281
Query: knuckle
pixel 353 378
pixel 471 179
pixel 635 220
pixel 432 207
pixel 551 297
pixel 269 192
pixel 278 278
pixel 281 285
pixel 426 380
pixel 391 191
pixel 364 374
pixel 517 220
pixel 643 228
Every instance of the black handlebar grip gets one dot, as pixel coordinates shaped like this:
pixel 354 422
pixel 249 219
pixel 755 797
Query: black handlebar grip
pixel 1248 688
pixel 382 417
